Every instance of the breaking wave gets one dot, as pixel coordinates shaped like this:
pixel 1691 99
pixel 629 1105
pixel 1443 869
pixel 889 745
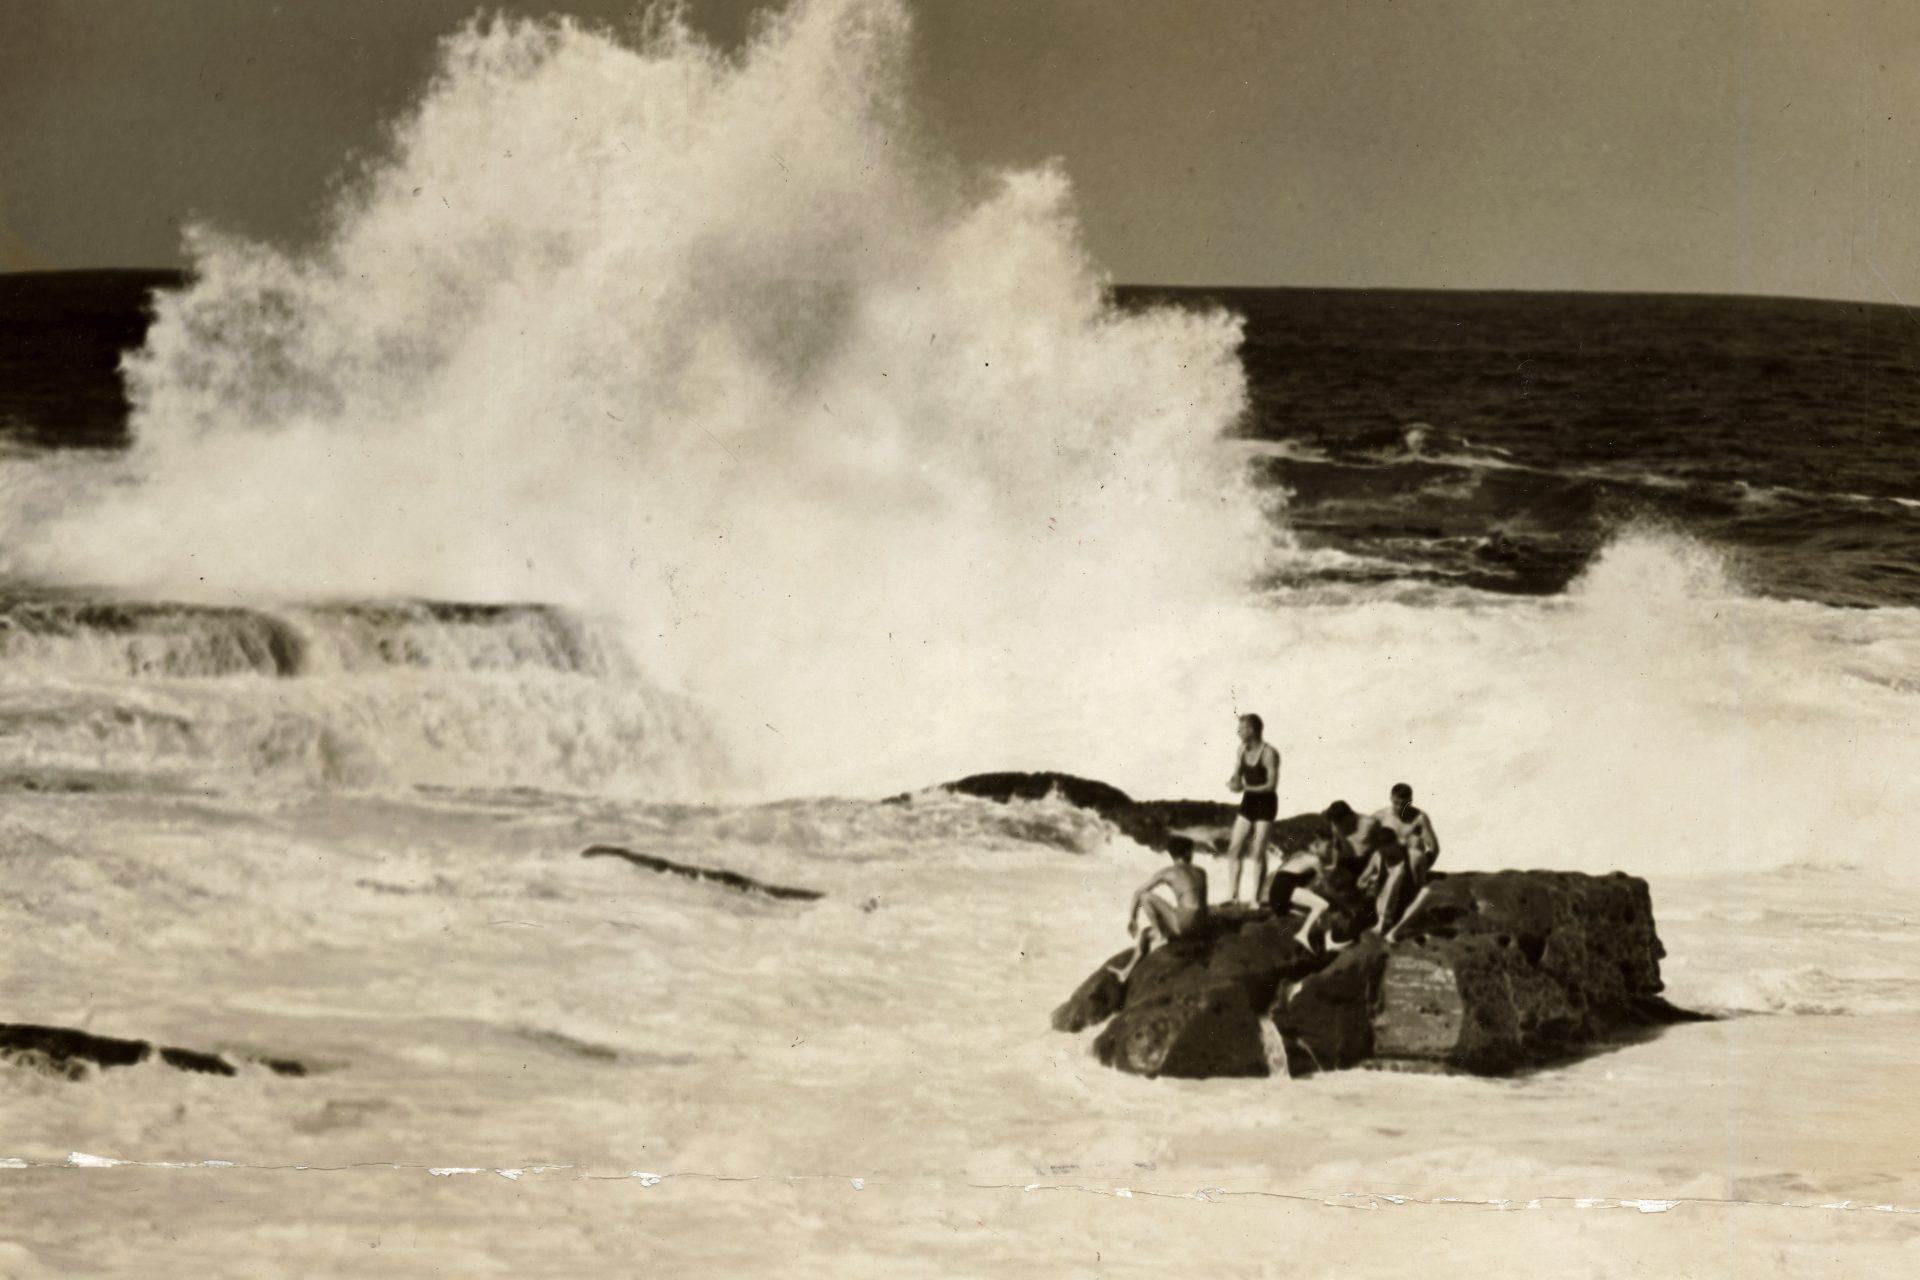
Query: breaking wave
pixel 832 468
pixel 716 345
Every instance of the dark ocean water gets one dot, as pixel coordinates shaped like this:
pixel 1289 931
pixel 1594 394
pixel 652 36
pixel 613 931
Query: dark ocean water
pixel 1495 440
pixel 1485 440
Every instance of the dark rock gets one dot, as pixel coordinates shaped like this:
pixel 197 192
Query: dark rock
pixel 1154 823
pixel 1494 973
pixel 64 1051
pixel 1096 999
pixel 1196 1007
pixel 1082 793
pixel 1148 822
pixel 1200 1033
pixel 1502 970
pixel 193 1060
pixel 731 879
pixel 1491 972
pixel 1325 1019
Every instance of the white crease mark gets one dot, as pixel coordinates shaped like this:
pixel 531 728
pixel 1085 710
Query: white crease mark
pixel 1205 1195
pixel 81 1160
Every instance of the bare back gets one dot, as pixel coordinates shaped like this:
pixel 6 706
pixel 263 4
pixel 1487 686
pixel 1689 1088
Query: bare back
pixel 1189 885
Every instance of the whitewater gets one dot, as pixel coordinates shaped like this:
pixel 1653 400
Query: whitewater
pixel 675 448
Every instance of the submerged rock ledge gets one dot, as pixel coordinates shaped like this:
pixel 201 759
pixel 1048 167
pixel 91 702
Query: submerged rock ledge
pixel 73 1054
pixel 712 875
pixel 1492 973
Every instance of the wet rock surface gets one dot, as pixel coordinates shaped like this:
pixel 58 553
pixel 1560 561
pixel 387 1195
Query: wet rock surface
pixel 711 875
pixel 1495 973
pixel 1196 1007
pixel 75 1055
pixel 1490 973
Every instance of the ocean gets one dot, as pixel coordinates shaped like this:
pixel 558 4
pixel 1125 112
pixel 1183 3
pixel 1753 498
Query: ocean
pixel 632 489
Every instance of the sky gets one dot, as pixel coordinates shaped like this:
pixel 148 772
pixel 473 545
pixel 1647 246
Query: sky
pixel 1720 146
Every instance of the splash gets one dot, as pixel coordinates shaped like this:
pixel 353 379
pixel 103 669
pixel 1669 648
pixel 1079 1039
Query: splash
pixel 1654 719
pixel 719 346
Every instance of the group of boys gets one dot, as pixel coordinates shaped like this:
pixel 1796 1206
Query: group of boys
pixel 1375 864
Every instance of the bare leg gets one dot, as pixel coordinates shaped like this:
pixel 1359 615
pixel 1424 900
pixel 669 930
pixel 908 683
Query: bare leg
pixel 1316 907
pixel 1236 854
pixel 1261 830
pixel 1160 922
pixel 1153 930
pixel 1412 907
pixel 1142 940
pixel 1387 917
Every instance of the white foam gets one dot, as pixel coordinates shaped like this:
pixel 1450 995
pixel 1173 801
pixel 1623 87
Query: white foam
pixel 717 345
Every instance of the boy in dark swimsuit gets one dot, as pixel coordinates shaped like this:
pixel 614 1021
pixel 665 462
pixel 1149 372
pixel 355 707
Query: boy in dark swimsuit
pixel 1256 776
pixel 1167 920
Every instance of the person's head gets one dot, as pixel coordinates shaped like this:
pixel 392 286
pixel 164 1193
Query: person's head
pixel 1402 796
pixel 1341 817
pixel 1252 728
pixel 1180 849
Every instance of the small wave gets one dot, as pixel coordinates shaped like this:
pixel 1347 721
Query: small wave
pixel 1773 495
pixel 1366 452
pixel 1283 450
pixel 1809 991
pixel 133 640
pixel 362 695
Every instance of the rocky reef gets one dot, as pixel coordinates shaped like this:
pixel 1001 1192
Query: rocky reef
pixel 1493 973
pixel 73 1055
pixel 711 875
pixel 1490 973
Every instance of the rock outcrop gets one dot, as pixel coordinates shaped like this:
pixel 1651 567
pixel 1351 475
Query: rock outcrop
pixel 712 875
pixel 1196 1007
pixel 1494 973
pixel 1491 972
pixel 72 1054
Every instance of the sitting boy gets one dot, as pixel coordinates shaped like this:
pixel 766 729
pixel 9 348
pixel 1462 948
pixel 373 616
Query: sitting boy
pixel 1166 920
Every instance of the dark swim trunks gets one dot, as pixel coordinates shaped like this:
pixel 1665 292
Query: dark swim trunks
pixel 1259 806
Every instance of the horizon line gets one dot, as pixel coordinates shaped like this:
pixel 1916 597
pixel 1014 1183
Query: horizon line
pixel 1508 290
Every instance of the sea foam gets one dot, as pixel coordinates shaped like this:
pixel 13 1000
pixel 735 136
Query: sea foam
pixel 717 345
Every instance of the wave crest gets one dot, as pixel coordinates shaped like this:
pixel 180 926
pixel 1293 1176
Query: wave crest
pixel 718 345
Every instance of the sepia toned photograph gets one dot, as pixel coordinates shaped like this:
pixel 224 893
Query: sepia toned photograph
pixel 894 638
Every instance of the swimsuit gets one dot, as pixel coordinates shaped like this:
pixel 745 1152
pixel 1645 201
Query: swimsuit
pixel 1257 806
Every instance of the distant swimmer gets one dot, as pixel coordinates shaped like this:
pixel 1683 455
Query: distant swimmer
pixel 1403 845
pixel 1167 919
pixel 1256 776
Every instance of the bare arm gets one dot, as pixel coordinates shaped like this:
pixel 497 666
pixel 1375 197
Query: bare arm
pixel 1154 881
